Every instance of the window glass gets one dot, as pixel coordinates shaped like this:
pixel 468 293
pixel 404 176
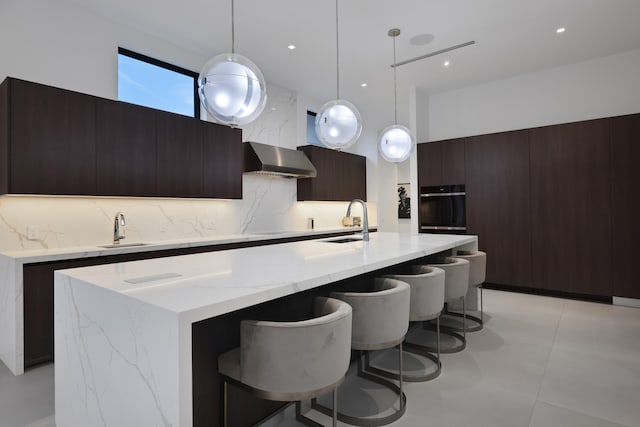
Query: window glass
pixel 152 83
pixel 312 138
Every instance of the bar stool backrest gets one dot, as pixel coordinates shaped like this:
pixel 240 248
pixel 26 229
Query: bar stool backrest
pixel 381 317
pixel 456 281
pixel 427 291
pixel 297 357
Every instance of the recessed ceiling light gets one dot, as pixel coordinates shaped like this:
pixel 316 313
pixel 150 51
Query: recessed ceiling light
pixel 363 84
pixel 421 39
pixel 560 30
pixel 447 63
pixel 291 47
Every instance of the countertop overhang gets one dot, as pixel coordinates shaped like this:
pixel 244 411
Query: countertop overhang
pixel 201 286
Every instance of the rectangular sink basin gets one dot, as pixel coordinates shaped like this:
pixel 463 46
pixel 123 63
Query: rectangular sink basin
pixel 344 240
pixel 122 245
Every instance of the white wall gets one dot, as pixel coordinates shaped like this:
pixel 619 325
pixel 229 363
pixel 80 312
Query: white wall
pixel 602 87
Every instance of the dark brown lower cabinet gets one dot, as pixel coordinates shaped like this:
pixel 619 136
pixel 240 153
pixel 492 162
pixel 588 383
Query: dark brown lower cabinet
pixel 625 204
pixel 570 208
pixel 498 209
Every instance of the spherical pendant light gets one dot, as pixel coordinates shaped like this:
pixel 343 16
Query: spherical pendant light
pixel 232 89
pixel 338 124
pixel 396 142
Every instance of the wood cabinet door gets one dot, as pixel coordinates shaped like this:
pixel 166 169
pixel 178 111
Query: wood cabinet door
pixel 441 162
pixel 126 149
pixel 498 209
pixel 570 208
pixel 453 162
pixel 4 136
pixel 625 204
pixel 53 148
pixel 180 163
pixel 222 161
pixel 429 155
pixel 341 176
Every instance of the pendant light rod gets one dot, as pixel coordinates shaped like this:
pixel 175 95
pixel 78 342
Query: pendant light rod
pixel 395 32
pixel 429 55
pixel 337 56
pixel 233 27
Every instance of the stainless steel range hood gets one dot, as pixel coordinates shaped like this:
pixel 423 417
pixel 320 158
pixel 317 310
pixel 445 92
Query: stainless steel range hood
pixel 263 159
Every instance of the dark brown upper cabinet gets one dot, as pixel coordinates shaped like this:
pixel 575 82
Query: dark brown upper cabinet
pixel 625 204
pixel 222 178
pixel 51 142
pixel 341 176
pixel 126 149
pixel 54 141
pixel 441 163
pixel 570 207
pixel 4 137
pixel 497 204
pixel 179 144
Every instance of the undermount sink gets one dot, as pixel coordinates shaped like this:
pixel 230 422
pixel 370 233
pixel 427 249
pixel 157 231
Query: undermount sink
pixel 344 240
pixel 122 245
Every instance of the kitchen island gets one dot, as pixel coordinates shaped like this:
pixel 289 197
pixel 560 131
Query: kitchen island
pixel 128 337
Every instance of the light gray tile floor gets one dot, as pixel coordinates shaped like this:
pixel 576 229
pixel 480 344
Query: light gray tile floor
pixel 539 362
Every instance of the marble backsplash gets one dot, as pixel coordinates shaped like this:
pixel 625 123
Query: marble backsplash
pixel 269 204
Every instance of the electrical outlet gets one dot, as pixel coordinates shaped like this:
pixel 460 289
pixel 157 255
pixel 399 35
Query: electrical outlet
pixel 32 232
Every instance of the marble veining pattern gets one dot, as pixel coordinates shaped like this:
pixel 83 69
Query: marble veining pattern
pixel 123 350
pixel 97 345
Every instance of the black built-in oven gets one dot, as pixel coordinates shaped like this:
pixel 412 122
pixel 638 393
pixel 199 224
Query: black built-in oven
pixel 442 209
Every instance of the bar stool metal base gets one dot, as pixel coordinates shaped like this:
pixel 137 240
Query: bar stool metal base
pixel 478 320
pixel 369 422
pixel 446 330
pixel 299 416
pixel 414 348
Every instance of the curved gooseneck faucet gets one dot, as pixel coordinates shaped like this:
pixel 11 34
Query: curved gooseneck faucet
pixel 119 228
pixel 365 219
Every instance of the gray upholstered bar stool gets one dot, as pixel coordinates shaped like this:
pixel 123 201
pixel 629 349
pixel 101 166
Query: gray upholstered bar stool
pixel 380 320
pixel 456 284
pixel 477 274
pixel 427 302
pixel 292 361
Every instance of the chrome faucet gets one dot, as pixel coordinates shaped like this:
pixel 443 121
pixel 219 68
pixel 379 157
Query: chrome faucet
pixel 365 219
pixel 119 228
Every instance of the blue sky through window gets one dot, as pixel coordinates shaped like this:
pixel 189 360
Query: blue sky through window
pixel 146 84
pixel 312 138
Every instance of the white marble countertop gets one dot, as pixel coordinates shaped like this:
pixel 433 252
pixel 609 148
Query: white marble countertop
pixel 56 254
pixel 201 286
pixel 124 332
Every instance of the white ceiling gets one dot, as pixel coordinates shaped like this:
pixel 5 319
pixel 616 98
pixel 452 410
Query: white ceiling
pixel 512 37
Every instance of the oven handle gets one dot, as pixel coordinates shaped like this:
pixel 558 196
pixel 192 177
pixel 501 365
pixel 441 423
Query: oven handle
pixel 441 227
pixel 462 193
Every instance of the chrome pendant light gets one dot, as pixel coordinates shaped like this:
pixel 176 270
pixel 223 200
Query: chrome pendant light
pixel 231 87
pixel 396 142
pixel 338 123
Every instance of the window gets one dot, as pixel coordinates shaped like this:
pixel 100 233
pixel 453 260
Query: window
pixel 152 83
pixel 312 138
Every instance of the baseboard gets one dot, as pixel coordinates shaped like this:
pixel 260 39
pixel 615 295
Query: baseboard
pixel 550 293
pixel 627 302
